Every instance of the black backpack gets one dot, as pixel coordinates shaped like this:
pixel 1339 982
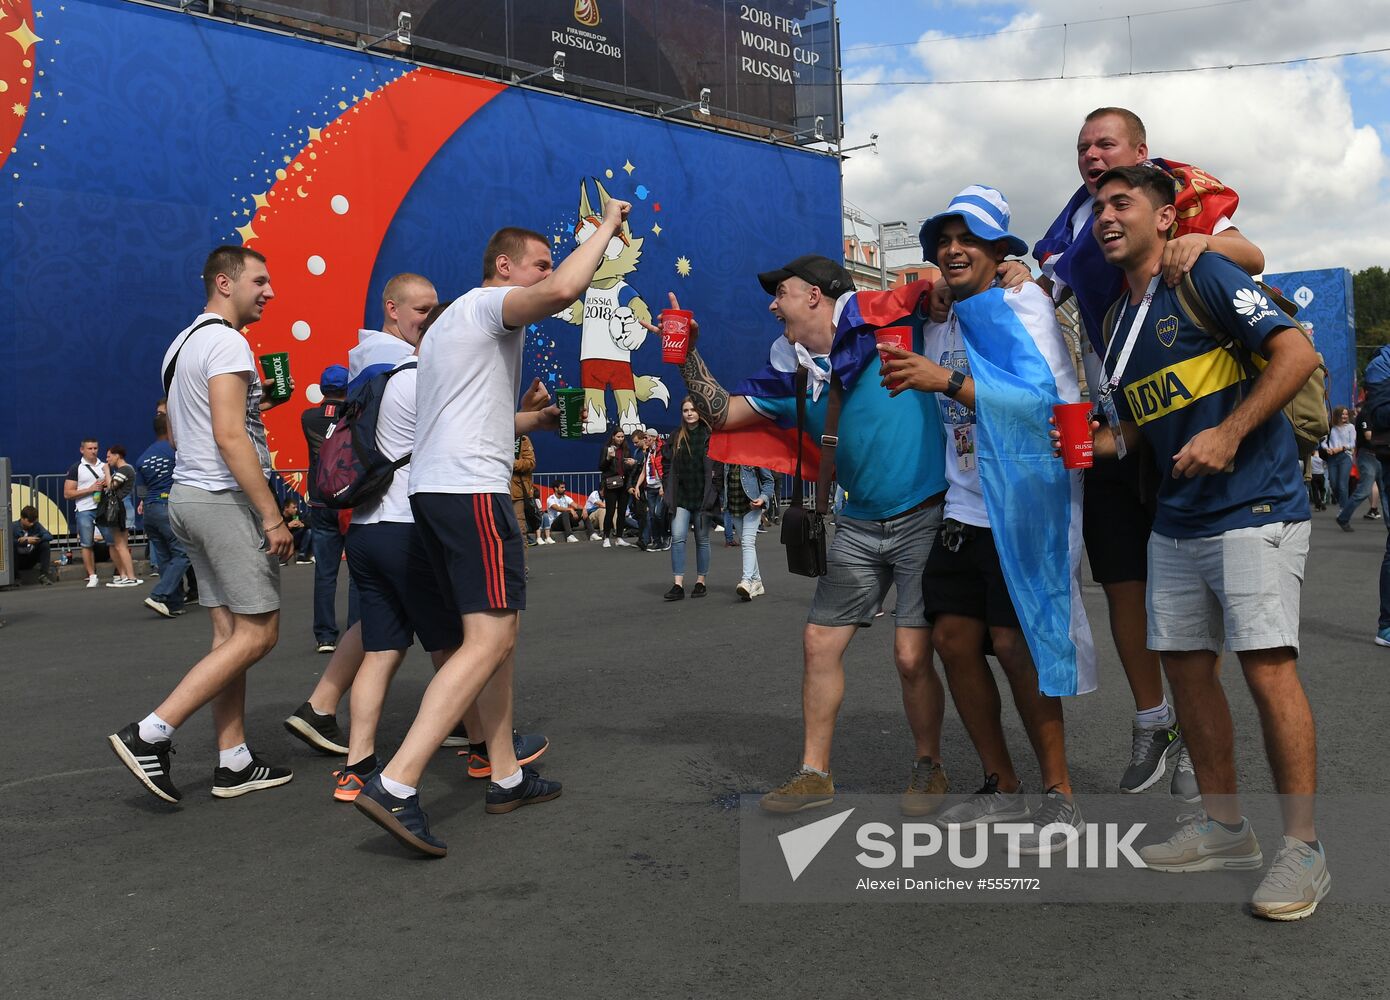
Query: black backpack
pixel 350 470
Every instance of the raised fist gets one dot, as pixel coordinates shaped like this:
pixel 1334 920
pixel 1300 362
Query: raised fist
pixel 626 330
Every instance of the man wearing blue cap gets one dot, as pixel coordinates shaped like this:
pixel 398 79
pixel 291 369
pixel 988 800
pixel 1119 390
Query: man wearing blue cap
pixel 1004 567
pixel 327 540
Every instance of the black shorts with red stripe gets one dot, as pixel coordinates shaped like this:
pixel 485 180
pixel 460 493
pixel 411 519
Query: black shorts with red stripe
pixel 475 547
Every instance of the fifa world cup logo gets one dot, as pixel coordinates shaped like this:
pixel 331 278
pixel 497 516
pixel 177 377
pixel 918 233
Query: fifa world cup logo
pixel 586 12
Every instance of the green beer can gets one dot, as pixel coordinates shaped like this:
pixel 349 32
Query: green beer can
pixel 277 370
pixel 571 403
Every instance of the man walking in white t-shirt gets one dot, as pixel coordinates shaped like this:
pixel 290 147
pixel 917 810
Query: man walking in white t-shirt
pixel 460 478
pixel 222 510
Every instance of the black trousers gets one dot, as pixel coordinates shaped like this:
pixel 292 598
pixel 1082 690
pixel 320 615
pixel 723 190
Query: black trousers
pixel 615 514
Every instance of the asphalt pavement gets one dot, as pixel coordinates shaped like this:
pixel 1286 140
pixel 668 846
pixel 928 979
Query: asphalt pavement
pixel 628 885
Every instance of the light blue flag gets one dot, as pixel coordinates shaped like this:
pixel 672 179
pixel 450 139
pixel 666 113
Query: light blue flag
pixel 1022 367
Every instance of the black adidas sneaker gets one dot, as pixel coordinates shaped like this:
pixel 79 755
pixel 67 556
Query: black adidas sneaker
pixel 147 761
pixel 228 784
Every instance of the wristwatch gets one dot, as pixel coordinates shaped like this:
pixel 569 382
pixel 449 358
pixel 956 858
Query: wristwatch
pixel 953 385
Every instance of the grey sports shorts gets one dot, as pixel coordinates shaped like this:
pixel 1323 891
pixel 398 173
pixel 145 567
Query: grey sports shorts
pixel 1241 589
pixel 865 558
pixel 221 532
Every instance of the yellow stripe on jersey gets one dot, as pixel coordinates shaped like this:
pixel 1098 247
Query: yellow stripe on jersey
pixel 1172 388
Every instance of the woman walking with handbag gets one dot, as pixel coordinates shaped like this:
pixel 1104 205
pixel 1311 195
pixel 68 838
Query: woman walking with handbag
pixel 692 495
pixel 615 465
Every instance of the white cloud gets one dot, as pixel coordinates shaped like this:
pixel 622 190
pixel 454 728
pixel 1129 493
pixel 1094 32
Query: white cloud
pixel 1313 182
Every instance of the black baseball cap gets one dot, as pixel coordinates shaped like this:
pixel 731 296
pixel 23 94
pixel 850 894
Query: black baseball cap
pixel 830 277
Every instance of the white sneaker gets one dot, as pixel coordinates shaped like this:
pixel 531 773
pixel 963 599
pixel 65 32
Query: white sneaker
pixel 117 581
pixel 607 543
pixel 92 581
pixel 756 589
pixel 1294 885
pixel 571 538
pixel 744 590
pixel 595 537
pixel 623 543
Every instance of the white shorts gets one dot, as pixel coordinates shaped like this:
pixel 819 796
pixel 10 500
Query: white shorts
pixel 1242 587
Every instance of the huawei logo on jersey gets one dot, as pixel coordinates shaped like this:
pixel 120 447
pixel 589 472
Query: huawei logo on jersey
pixel 586 12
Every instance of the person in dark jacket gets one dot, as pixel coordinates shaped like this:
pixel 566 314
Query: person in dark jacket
pixel 691 495
pixel 32 543
pixel 619 470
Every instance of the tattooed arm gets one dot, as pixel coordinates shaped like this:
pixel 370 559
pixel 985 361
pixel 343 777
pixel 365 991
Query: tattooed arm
pixel 712 401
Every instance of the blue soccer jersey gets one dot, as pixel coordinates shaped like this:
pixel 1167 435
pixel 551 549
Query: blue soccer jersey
pixel 1179 381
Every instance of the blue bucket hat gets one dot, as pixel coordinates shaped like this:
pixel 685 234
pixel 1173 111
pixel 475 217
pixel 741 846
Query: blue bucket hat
pixel 984 212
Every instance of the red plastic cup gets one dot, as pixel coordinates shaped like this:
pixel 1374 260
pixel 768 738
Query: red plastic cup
pixel 893 336
pixel 1074 424
pixel 675 335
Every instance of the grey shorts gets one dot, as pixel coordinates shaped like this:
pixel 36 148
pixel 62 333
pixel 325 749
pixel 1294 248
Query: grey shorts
pixel 1242 587
pixel 221 532
pixel 865 558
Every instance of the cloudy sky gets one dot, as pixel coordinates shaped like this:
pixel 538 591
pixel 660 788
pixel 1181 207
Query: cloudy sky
pixel 1306 145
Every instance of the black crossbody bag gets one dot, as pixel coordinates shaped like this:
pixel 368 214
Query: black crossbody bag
pixel 803 531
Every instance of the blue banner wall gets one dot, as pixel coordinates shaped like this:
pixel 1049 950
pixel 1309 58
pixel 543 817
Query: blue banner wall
pixel 147 137
pixel 1325 304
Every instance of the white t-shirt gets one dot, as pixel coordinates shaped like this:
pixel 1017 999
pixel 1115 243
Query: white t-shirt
pixel 376 348
pixel 558 502
pixel 594 502
pixel 216 349
pixel 87 474
pixel 395 437
pixel 943 343
pixel 470 377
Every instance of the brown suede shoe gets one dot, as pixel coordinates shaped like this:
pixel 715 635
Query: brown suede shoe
pixel 925 789
pixel 803 790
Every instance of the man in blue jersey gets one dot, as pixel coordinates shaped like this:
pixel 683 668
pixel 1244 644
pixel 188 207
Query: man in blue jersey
pixel 155 470
pixel 883 534
pixel 1230 537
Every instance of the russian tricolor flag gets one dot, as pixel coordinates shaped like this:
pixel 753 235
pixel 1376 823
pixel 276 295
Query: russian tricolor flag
pixel 853 350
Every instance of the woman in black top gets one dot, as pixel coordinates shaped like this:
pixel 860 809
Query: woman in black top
pixel 114 527
pixel 691 495
pixel 617 466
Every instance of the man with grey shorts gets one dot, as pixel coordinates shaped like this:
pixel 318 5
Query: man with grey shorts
pixel 222 510
pixel 890 461
pixel 1230 538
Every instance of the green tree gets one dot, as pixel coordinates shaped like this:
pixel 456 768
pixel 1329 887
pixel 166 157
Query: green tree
pixel 1371 290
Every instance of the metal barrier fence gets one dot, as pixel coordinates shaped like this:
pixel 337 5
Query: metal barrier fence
pixel 56 513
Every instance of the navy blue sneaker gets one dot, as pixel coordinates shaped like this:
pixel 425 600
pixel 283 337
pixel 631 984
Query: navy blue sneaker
pixel 528 747
pixel 401 818
pixel 533 789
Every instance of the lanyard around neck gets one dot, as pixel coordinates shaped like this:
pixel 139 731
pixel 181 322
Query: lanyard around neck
pixel 1131 338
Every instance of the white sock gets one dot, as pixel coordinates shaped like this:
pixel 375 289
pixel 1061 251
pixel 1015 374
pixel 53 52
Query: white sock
pixel 811 770
pixel 1157 717
pixel 238 758
pixel 153 729
pixel 511 780
pixel 397 789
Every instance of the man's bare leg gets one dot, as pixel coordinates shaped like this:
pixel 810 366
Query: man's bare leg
pixel 1129 621
pixel 1041 714
pixel 1195 679
pixel 239 642
pixel 1290 737
pixel 822 689
pixel 368 698
pixel 924 697
pixel 489 638
pixel 959 641
pixel 338 676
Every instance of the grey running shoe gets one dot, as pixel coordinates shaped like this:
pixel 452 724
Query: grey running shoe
pixel 1203 845
pixel 1184 785
pixel 1148 756
pixel 986 806
pixel 1056 825
pixel 1296 883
